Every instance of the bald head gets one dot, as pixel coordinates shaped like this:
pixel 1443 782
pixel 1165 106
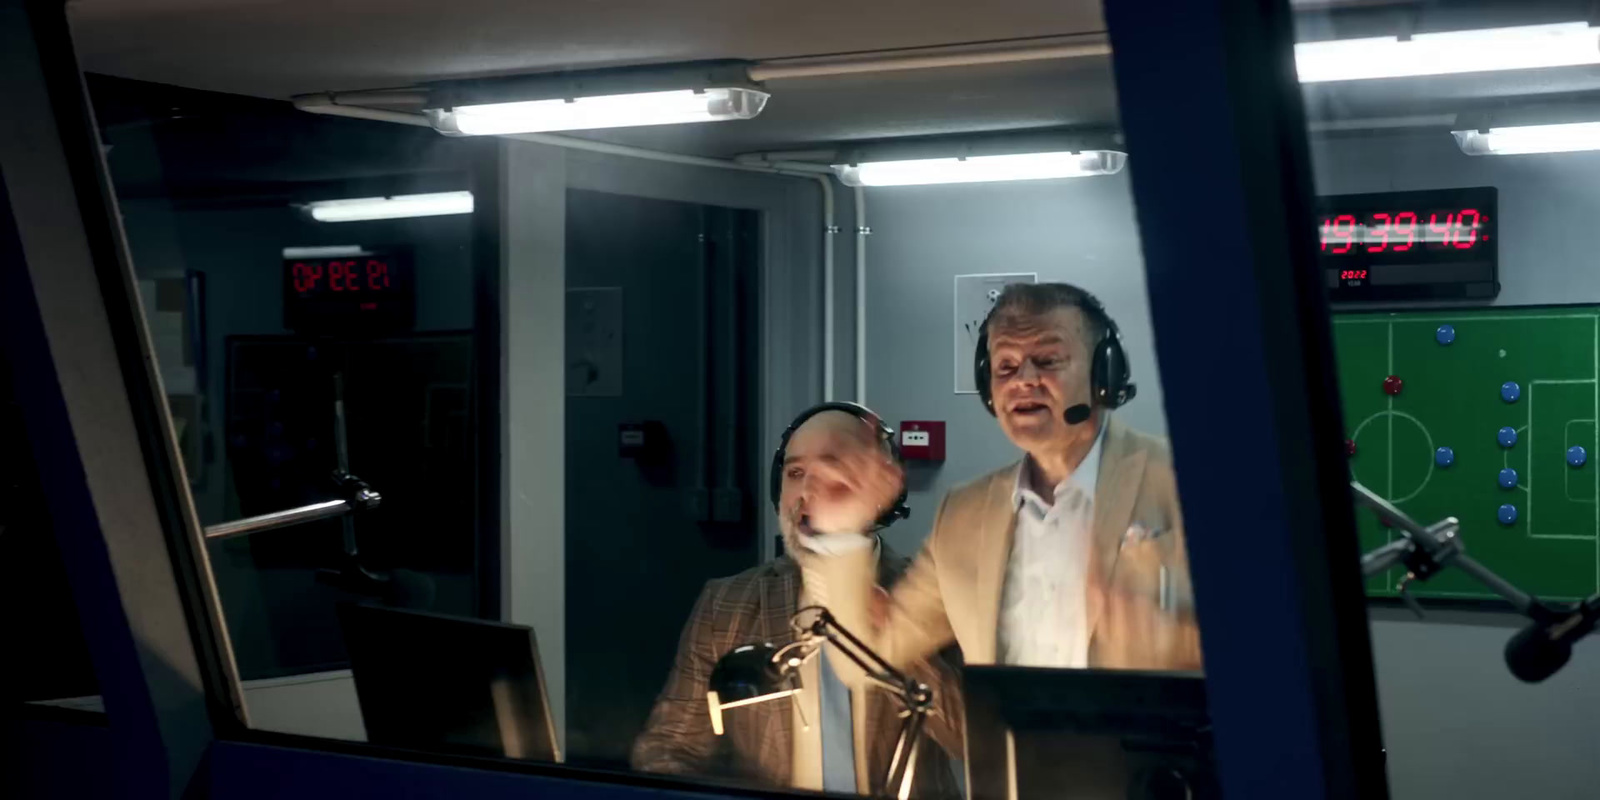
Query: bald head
pixel 838 429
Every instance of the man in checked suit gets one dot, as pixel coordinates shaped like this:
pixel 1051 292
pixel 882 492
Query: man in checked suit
pixel 839 475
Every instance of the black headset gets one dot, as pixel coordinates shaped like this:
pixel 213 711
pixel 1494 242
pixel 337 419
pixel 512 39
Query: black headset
pixel 1110 384
pixel 897 511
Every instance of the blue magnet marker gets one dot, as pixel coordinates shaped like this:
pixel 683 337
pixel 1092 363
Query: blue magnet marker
pixel 1508 478
pixel 1510 391
pixel 1577 456
pixel 1507 514
pixel 1507 436
pixel 1444 456
pixel 1445 334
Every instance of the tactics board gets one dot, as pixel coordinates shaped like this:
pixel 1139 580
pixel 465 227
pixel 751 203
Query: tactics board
pixel 1491 420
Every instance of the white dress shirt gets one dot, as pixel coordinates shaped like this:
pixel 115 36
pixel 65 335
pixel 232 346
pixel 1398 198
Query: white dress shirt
pixel 1044 616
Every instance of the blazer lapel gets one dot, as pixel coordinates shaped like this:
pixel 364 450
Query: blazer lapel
pixel 780 597
pixel 999 525
pixel 1121 473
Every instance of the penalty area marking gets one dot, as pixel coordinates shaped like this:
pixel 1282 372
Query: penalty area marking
pixel 1528 518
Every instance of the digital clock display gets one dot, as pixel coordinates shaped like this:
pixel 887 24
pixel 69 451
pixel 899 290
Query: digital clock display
pixel 366 274
pixel 1401 231
pixel 357 292
pixel 1428 245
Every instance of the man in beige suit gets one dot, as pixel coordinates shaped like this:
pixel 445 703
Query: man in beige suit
pixel 1074 556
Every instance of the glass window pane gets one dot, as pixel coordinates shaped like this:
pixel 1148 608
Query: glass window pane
pixel 565 352
pixel 1453 152
pixel 293 349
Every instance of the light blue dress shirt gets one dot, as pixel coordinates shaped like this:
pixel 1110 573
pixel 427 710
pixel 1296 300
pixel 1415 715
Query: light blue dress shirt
pixel 838 732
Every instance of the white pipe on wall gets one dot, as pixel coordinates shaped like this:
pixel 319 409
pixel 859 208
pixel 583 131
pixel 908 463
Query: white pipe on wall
pixel 862 232
pixel 829 230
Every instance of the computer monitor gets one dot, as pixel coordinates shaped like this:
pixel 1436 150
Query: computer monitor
pixel 451 684
pixel 1087 735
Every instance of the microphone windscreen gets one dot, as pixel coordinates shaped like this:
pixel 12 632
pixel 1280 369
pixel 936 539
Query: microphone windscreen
pixel 1077 414
pixel 1533 656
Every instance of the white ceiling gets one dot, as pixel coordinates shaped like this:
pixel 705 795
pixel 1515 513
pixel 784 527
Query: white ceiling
pixel 273 48
pixel 806 113
pixel 278 48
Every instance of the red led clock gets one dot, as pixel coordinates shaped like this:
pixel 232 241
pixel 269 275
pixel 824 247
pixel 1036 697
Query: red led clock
pixel 369 292
pixel 1427 245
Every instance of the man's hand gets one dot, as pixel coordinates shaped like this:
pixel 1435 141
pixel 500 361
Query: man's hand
pixel 871 482
pixel 878 478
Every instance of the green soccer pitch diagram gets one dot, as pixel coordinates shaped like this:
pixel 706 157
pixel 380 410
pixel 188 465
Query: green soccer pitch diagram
pixel 1487 415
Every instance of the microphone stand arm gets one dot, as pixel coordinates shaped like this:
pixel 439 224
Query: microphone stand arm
pixel 1424 550
pixel 357 496
pixel 917 696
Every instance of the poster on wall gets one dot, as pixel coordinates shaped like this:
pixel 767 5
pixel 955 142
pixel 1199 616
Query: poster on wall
pixel 594 342
pixel 975 295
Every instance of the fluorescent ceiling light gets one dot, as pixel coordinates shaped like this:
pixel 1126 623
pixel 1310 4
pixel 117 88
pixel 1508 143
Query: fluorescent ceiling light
pixel 396 207
pixel 1562 44
pixel 329 251
pixel 978 169
pixel 1564 138
pixel 607 111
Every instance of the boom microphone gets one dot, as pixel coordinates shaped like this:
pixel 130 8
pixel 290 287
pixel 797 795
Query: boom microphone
pixel 1541 649
pixel 1076 415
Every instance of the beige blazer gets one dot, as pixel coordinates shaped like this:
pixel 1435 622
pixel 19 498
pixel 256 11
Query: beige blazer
pixel 1141 602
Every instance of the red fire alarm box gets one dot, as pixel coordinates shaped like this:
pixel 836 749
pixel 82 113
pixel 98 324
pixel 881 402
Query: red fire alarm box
pixel 922 440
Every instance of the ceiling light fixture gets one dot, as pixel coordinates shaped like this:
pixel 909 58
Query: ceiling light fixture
pixel 398 206
pixel 1563 138
pixel 980 169
pixel 325 251
pixel 604 111
pixel 1562 44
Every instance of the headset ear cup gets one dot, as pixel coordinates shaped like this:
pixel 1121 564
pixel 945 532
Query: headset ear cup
pixel 980 368
pixel 1099 374
pixel 1116 373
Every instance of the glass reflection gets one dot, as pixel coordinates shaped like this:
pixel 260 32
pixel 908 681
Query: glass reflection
pixel 563 362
